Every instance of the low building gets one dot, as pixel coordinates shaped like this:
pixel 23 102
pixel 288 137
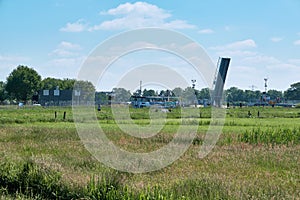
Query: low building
pixel 55 97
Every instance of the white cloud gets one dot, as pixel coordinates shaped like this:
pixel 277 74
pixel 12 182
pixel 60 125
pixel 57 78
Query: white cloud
pixel 276 39
pixel 69 46
pixel 297 42
pixel 206 31
pixel 236 53
pixel 245 69
pixel 139 9
pixel 239 45
pixel 261 59
pixel 67 62
pixel 62 67
pixel 77 26
pixel 131 16
pixel 9 62
pixel 62 53
pixel 13 58
pixel 294 61
pixel 249 66
pixel 137 15
pixel 66 49
pixel 282 67
pixel 177 24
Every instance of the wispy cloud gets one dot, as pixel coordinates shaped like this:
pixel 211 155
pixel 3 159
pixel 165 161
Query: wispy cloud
pixel 236 53
pixel 238 45
pixel 261 59
pixel 78 26
pixel 294 61
pixel 65 60
pixel 130 16
pixel 66 49
pixel 69 46
pixel 297 42
pixel 206 31
pixel 13 58
pixel 276 39
pixel 8 62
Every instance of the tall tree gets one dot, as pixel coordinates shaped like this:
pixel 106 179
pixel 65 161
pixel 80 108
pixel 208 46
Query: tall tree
pixel 52 83
pixel 22 83
pixel 3 95
pixel 147 93
pixel 68 84
pixel 234 94
pixel 204 93
pixel 178 92
pixel 121 95
pixel 137 93
pixel 275 94
pixel 189 95
pixel 251 96
pixel 293 93
pixel 101 98
pixel 87 90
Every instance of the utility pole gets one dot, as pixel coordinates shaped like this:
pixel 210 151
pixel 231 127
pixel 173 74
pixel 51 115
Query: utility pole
pixel 193 83
pixel 140 88
pixel 193 86
pixel 266 84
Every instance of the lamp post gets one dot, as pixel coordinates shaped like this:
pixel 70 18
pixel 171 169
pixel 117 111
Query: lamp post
pixel 193 86
pixel 266 84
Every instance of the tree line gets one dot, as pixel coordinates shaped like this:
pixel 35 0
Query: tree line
pixel 24 82
pixel 232 94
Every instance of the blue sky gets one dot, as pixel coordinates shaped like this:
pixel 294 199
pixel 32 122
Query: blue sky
pixel 54 37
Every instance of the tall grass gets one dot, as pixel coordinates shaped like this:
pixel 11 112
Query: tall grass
pixel 29 180
pixel 286 136
pixel 238 167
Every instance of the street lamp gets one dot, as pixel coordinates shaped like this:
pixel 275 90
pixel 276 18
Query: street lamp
pixel 193 83
pixel 193 86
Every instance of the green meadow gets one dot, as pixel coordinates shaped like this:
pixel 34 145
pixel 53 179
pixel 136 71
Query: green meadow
pixel 256 157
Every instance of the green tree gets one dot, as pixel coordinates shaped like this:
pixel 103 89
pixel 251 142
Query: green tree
pixel 147 93
pixel 234 94
pixel 293 93
pixel 101 97
pixel 178 92
pixel 137 93
pixel 274 94
pixel 87 90
pixel 121 95
pixel 22 83
pixel 162 93
pixel 3 95
pixel 52 83
pixel 251 96
pixel 68 84
pixel 189 96
pixel 204 93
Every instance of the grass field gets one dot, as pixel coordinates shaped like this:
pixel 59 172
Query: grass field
pixel 256 157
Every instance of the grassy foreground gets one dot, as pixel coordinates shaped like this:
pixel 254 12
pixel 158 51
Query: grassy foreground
pixel 256 157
